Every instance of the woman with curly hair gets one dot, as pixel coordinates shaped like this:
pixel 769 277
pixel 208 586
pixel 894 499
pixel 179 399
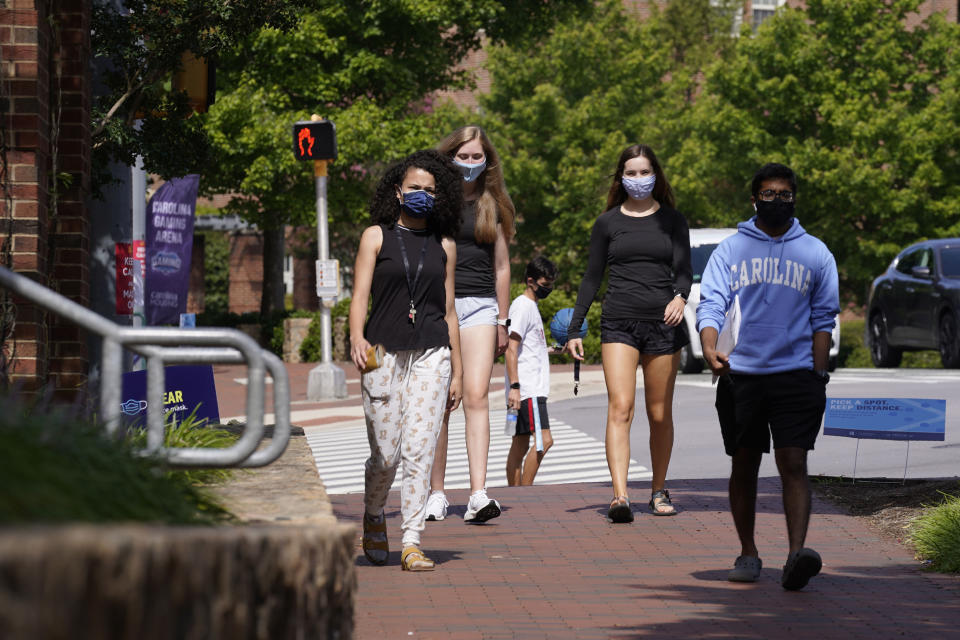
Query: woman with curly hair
pixel 645 242
pixel 483 304
pixel 406 263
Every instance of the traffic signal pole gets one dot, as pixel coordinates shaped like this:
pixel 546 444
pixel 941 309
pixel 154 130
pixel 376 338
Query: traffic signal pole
pixel 326 381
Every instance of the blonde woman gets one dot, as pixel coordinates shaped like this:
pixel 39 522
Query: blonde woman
pixel 483 303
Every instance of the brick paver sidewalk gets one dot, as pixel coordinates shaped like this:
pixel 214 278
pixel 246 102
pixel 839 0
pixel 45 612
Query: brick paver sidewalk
pixel 552 567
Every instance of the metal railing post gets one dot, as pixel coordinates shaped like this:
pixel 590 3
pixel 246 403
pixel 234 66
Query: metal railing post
pixel 156 425
pixel 110 370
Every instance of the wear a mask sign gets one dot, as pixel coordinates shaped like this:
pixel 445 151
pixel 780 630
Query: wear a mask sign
pixel 169 240
pixel 186 389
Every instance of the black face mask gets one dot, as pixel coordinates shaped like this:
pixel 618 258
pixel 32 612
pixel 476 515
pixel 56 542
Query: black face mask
pixel 542 292
pixel 774 214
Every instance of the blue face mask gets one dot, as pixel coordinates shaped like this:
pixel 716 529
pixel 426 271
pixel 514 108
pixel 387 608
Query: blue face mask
pixel 471 171
pixel 417 204
pixel 639 188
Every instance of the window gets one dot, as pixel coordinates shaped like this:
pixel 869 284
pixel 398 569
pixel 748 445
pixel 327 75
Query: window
pixel 698 258
pixel 950 262
pixel 922 257
pixel 909 261
pixel 764 9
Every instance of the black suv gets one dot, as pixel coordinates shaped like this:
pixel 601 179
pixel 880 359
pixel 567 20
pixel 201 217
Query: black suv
pixel 914 305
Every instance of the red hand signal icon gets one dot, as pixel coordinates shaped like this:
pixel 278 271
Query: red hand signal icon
pixel 304 136
pixel 314 140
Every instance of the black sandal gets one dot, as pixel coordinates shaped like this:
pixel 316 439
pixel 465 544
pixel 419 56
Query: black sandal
pixel 620 510
pixel 664 500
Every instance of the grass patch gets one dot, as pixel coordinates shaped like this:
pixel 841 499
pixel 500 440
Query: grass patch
pixel 936 535
pixel 57 468
pixel 189 433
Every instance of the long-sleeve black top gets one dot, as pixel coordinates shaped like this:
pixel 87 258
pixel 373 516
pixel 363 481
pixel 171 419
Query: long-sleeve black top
pixel 649 261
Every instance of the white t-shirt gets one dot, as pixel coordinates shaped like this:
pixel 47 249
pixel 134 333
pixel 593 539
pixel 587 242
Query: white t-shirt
pixel 533 361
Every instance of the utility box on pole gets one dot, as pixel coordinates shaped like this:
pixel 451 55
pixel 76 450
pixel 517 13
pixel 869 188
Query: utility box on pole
pixel 316 140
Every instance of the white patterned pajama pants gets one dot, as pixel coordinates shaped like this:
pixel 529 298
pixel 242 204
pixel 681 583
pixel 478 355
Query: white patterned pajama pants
pixel 403 402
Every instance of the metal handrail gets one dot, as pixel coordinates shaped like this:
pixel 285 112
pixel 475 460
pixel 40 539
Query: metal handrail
pixel 281 391
pixel 160 345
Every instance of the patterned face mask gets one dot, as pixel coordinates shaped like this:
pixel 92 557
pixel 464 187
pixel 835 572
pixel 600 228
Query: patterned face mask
pixel 639 188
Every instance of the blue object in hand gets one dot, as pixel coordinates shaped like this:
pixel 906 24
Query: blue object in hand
pixel 560 325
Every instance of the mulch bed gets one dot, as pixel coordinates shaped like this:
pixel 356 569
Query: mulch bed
pixel 888 506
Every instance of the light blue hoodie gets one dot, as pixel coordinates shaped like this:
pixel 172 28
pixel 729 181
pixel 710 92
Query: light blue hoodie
pixel 788 290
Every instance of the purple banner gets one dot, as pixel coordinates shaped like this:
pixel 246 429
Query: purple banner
pixel 169 237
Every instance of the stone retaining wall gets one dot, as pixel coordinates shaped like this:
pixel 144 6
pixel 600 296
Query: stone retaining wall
pixel 177 583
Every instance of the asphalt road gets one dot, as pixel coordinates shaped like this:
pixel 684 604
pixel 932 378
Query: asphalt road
pixel 698 449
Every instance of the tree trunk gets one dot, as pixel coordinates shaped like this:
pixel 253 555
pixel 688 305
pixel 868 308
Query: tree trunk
pixel 271 299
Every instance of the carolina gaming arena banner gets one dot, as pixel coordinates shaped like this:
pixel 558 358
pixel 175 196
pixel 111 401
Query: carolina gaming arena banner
pixel 186 388
pixel 886 418
pixel 169 239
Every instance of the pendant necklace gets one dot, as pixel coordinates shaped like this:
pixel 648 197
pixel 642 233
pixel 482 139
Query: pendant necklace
pixel 411 284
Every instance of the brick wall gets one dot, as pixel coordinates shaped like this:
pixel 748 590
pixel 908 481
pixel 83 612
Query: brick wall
pixel 301 243
pixel 246 271
pixel 46 84
pixel 196 293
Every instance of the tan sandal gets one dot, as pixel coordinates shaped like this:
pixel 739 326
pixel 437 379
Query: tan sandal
pixel 412 559
pixel 375 546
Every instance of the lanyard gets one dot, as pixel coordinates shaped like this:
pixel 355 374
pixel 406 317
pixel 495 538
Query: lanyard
pixel 411 285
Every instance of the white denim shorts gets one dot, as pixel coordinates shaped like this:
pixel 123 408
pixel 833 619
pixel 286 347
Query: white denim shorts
pixel 476 312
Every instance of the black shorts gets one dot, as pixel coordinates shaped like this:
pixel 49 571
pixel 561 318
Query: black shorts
pixel 788 405
pixel 651 337
pixel 526 418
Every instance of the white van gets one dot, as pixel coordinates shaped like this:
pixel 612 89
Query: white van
pixel 702 244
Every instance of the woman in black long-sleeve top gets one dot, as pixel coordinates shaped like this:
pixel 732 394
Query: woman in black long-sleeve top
pixel 645 243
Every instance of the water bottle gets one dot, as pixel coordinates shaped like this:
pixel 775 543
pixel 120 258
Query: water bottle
pixel 510 429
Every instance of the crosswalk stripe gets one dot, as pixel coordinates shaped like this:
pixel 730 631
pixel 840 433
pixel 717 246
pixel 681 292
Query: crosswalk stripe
pixel 340 452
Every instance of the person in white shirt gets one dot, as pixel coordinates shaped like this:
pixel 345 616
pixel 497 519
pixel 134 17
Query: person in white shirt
pixel 528 374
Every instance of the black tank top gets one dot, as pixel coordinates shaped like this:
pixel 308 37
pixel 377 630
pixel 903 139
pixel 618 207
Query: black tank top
pixel 389 323
pixel 474 276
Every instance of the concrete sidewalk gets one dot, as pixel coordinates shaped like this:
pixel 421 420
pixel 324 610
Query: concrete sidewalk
pixel 553 567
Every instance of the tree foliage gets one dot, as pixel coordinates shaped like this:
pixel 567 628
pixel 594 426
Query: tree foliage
pixel 370 67
pixel 138 45
pixel 862 102
pixel 864 107
pixel 564 110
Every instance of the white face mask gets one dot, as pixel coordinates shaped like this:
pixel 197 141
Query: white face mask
pixel 470 171
pixel 639 188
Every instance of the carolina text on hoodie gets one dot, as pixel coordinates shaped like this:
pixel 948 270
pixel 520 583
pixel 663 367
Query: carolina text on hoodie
pixel 788 290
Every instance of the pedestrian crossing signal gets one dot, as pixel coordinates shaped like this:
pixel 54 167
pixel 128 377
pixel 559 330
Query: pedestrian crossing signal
pixel 314 140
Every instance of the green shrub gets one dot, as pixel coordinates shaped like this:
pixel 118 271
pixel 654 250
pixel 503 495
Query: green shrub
pixel 311 350
pixel 561 299
pixel 189 433
pixel 921 360
pixel 60 468
pixel 853 352
pixel 271 328
pixel 216 273
pixel 936 535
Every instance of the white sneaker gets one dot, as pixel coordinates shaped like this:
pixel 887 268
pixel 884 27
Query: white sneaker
pixel 481 508
pixel 437 506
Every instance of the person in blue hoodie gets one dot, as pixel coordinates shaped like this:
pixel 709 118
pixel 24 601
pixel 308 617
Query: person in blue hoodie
pixel 773 381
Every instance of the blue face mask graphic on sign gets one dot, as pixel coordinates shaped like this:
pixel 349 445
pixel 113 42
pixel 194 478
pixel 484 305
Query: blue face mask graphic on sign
pixel 560 325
